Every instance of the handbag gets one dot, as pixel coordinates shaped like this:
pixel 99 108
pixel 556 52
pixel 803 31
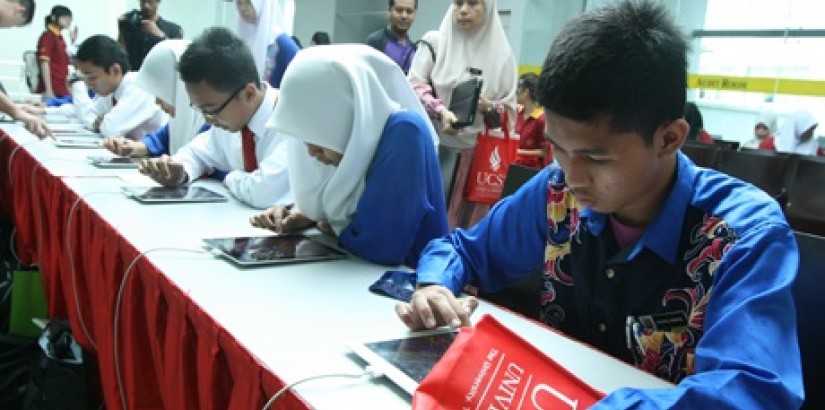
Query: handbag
pixel 493 154
pixel 490 367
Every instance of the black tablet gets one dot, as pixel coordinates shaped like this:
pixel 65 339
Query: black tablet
pixel 182 194
pixel 113 162
pixel 273 249
pixel 464 102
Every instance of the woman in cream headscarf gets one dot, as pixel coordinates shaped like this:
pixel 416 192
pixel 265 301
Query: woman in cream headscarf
pixel 262 26
pixel 796 135
pixel 159 76
pixel 470 39
pixel 363 164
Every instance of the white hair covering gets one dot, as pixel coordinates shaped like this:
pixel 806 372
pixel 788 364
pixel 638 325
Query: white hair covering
pixel 259 35
pixel 159 76
pixel 338 97
pixel 486 49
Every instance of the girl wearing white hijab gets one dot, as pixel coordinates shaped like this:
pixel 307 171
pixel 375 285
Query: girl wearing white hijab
pixel 796 135
pixel 471 38
pixel 363 164
pixel 262 26
pixel 763 128
pixel 159 76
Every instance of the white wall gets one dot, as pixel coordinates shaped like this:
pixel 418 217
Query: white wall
pixel 312 16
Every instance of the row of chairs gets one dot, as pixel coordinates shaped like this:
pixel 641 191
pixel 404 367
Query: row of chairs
pixel 795 181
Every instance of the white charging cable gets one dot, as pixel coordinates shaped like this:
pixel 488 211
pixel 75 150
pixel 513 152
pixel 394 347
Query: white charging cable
pixel 118 301
pixel 369 373
pixel 13 153
pixel 71 261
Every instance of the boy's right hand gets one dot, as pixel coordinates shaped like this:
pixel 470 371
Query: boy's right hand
pixel 432 306
pixel 164 170
pixel 281 219
pixel 125 147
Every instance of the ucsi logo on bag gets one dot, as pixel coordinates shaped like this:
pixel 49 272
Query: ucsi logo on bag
pixel 495 159
pixel 489 367
pixel 489 180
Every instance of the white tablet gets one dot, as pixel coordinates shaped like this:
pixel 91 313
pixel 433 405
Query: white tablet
pixel 247 251
pixel 67 127
pixel 408 360
pixel 76 142
pixel 182 194
pixel 113 162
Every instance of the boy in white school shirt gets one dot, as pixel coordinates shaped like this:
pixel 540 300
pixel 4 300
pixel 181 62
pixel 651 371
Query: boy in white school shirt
pixel 223 83
pixel 121 108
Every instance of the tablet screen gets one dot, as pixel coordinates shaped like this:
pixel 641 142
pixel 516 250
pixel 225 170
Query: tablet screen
pixel 182 193
pixel 271 249
pixel 77 142
pixel 104 161
pixel 414 356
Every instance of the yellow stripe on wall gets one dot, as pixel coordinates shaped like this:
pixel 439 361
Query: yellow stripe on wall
pixel 765 85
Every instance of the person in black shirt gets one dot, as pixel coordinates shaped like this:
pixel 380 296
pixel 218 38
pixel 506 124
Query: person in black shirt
pixel 141 29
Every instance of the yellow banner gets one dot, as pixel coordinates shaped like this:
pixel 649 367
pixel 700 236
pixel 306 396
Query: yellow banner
pixel 757 84
pixel 765 85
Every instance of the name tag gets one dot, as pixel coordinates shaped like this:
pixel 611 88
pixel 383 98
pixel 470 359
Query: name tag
pixel 665 321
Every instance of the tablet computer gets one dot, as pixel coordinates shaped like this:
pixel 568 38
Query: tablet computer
pixel 407 360
pixel 67 127
pixel 181 194
pixel 113 162
pixel 274 249
pixel 76 142
pixel 464 102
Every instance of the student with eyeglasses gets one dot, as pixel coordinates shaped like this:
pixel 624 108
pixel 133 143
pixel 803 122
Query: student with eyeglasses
pixel 224 85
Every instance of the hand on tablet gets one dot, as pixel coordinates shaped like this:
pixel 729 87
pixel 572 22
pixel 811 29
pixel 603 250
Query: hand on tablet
pixel 281 219
pixel 164 170
pixel 447 121
pixel 125 147
pixel 35 125
pixel 433 306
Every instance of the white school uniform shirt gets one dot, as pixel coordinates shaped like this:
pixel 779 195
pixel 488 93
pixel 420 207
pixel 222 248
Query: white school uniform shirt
pixel 220 149
pixel 134 115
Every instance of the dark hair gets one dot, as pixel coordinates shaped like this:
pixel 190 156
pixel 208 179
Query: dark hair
pixel 529 82
pixel 392 3
pixel 57 12
pixel 28 15
pixel 626 62
pixel 321 38
pixel 103 52
pixel 220 59
pixel 693 117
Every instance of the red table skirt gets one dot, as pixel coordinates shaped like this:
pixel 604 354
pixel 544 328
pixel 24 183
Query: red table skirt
pixel 171 354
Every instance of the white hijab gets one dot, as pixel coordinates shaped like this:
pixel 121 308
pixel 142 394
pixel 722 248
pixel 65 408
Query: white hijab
pixel 767 119
pixel 787 139
pixel 486 49
pixel 159 76
pixel 259 35
pixel 338 97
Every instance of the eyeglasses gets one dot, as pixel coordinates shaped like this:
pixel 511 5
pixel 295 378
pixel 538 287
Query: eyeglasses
pixel 213 114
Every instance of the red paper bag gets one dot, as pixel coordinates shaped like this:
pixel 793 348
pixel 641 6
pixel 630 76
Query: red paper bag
pixel 490 367
pixel 494 152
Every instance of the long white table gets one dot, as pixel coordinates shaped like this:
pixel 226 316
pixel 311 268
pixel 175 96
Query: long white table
pixel 293 319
